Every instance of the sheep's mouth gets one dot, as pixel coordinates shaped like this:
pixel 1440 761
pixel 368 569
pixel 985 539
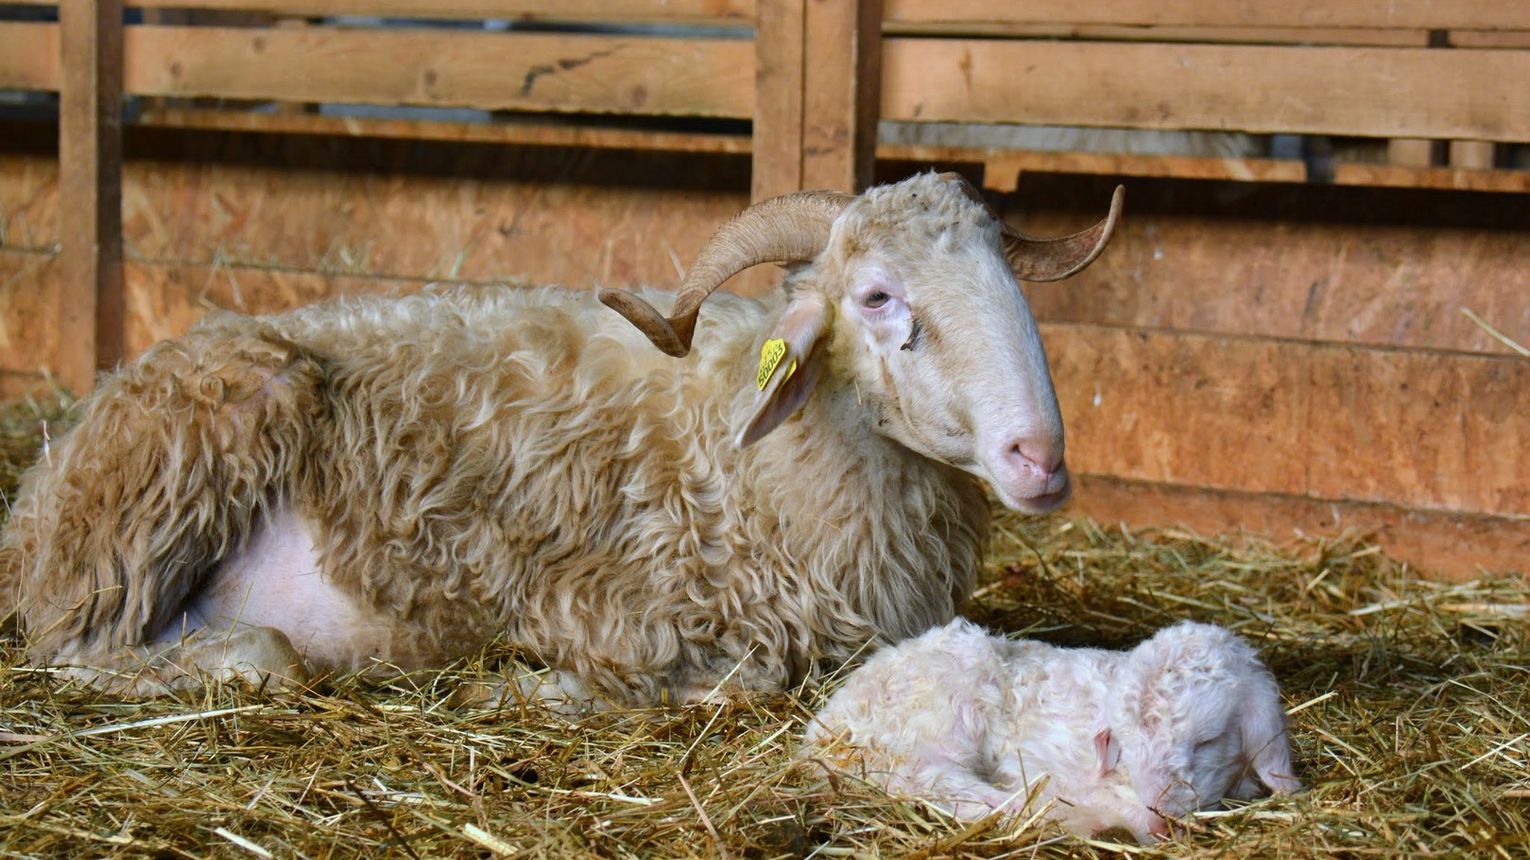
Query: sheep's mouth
pixel 1053 496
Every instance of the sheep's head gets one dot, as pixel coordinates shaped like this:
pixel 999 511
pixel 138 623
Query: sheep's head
pixel 911 289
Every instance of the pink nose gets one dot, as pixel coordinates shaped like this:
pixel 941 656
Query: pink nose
pixel 1035 456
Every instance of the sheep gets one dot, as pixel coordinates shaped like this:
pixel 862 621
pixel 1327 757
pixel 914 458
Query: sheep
pixel 977 723
pixel 387 484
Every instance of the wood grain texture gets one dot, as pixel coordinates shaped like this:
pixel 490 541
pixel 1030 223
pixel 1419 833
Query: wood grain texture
pixel 1420 430
pixel 1414 14
pixel 509 133
pixel 841 91
pixel 29 342
pixel 995 27
pixel 739 12
pixel 1372 92
pixel 776 140
pixel 88 302
pixel 1441 544
pixel 31 56
pixel 513 71
pixel 1373 284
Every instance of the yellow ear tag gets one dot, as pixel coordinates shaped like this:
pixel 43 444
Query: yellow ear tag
pixel 770 358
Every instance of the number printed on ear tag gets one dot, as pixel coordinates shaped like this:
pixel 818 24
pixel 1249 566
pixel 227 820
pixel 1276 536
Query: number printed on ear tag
pixel 770 358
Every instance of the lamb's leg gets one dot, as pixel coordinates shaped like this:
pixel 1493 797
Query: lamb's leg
pixel 261 657
pixel 172 458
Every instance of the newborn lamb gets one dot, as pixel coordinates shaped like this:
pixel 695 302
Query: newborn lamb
pixel 976 723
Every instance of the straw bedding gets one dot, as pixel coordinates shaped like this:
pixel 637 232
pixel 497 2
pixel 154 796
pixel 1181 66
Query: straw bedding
pixel 1410 720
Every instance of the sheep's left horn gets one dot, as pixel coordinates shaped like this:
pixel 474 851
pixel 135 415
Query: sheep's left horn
pixel 786 229
pixel 1054 259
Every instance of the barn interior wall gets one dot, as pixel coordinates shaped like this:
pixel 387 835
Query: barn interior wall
pixel 1272 357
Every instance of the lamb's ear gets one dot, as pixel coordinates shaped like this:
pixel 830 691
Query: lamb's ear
pixel 791 362
pixel 1262 722
pixel 1107 751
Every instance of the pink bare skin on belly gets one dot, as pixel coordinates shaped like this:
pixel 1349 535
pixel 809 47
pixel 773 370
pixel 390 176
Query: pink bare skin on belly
pixel 275 581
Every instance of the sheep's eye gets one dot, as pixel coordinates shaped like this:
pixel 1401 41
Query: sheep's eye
pixel 875 299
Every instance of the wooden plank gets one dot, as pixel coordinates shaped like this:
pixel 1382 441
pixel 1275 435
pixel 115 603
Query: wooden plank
pixel 1410 151
pixel 1471 154
pixel 779 93
pixel 818 91
pixel 31 55
pixel 841 92
pixel 1108 33
pixel 1411 428
pixel 1374 92
pixel 1236 273
pixel 89 299
pixel 28 199
pixel 1438 178
pixel 513 71
pixel 738 12
pixel 1512 39
pixel 517 134
pixel 1442 544
pixel 1405 14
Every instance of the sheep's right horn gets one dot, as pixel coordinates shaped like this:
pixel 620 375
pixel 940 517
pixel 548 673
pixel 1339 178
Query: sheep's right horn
pixel 786 229
pixel 1054 259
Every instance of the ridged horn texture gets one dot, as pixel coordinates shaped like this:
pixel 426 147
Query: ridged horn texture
pixel 785 229
pixel 1035 259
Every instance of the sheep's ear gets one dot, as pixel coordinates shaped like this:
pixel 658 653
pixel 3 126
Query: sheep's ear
pixel 1107 751
pixel 1265 742
pixel 791 361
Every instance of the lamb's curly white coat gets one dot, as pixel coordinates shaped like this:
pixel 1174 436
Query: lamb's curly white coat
pixel 398 481
pixel 977 723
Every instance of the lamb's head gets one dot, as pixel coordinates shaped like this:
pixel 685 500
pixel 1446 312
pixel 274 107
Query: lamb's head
pixel 1199 718
pixel 910 293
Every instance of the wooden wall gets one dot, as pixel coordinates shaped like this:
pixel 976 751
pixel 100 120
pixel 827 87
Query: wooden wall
pixel 1267 357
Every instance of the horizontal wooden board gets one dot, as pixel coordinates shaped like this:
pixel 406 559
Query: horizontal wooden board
pixel 511 133
pixel 30 53
pixel 994 28
pixel 513 71
pixel 1369 92
pixel 1349 423
pixel 672 11
pixel 1441 544
pixel 1415 14
pixel 1376 284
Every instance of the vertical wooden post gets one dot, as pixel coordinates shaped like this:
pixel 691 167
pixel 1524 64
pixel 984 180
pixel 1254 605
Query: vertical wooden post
pixel 818 83
pixel 1471 154
pixel 89 303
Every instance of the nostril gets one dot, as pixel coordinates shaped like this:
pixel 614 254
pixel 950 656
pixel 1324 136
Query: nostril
pixel 1043 455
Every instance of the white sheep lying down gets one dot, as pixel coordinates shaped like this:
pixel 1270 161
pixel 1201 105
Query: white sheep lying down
pixel 393 482
pixel 977 723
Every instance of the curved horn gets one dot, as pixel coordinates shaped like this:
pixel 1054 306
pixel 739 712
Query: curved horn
pixel 789 228
pixel 1035 259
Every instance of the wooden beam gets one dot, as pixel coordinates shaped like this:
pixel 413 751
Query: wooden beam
pixel 89 297
pixel 841 92
pixel 1406 14
pixel 510 133
pixel 1371 92
pixel 1471 154
pixel 513 71
pixel 1446 544
pixel 778 87
pixel 736 12
pixel 817 90
pixel 31 56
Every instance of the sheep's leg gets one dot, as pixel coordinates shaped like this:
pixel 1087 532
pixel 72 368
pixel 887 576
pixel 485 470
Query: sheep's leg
pixel 257 656
pixel 172 459
pixel 556 691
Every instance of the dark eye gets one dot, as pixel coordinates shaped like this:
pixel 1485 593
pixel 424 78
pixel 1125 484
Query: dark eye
pixel 875 299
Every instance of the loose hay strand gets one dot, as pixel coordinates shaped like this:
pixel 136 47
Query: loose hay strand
pixel 1407 698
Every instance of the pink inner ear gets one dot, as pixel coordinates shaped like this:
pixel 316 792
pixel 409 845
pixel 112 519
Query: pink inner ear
pixel 1106 751
pixel 803 324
